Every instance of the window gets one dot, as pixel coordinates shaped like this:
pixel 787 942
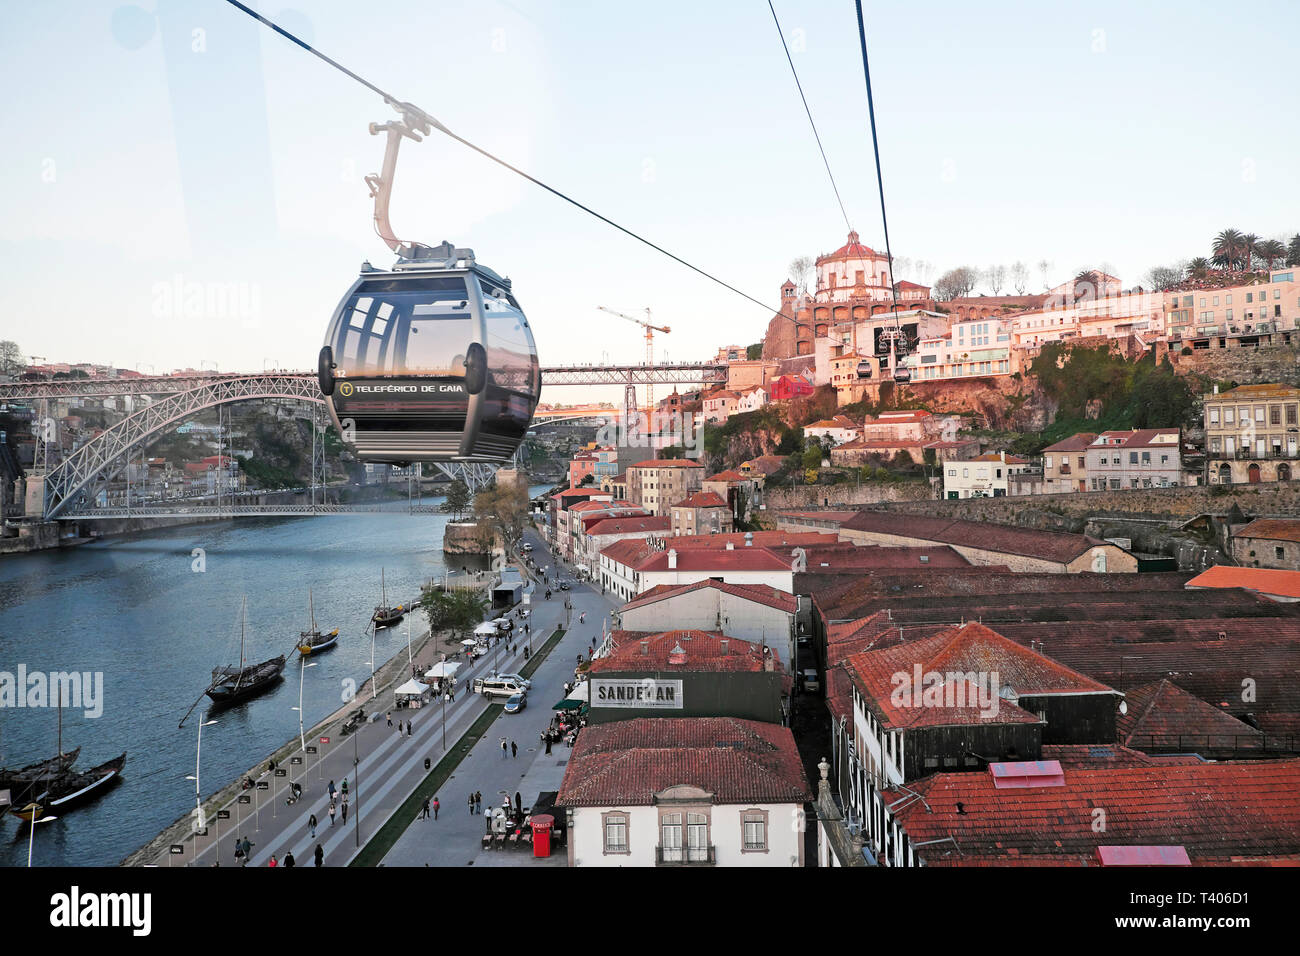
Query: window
pixel 615 832
pixel 1279 552
pixel 1259 414
pixel 1133 458
pixel 754 825
pixel 1227 416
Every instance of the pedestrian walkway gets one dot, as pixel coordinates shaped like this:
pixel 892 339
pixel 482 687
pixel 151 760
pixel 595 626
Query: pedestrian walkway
pixel 456 839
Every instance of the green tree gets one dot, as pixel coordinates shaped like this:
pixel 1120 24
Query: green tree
pixel 1293 251
pixel 458 498
pixel 501 510
pixel 11 358
pixel 812 457
pixel 1229 249
pixel 457 609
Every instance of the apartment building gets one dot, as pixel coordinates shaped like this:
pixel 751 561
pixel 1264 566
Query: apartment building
pixel 1141 458
pixel 1065 464
pixel 1252 434
pixel 987 476
pixel 660 483
pixel 1238 315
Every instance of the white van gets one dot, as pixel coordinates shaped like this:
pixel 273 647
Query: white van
pixel 498 686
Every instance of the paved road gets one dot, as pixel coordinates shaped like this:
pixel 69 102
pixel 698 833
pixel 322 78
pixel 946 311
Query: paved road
pixel 391 766
pixel 455 839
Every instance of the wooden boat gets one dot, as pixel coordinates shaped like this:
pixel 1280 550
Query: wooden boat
pixel 23 776
pixel 72 788
pixel 313 641
pixel 386 616
pixel 33 812
pixel 230 685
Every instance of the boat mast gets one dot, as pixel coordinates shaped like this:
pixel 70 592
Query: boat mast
pixel 311 609
pixel 383 584
pixel 243 620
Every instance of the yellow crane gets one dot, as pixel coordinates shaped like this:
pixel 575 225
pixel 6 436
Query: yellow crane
pixel 650 331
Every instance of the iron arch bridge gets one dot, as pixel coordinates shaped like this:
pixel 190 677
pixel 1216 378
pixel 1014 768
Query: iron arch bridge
pixel 69 488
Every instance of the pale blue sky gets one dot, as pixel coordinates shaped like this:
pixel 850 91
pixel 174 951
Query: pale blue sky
pixel 139 152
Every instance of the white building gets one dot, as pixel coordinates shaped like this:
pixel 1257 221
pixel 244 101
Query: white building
pixel 836 430
pixel 681 791
pixel 759 615
pixel 987 476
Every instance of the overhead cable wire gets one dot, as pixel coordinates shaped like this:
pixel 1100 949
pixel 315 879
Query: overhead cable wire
pixel 875 146
pixel 808 111
pixel 402 105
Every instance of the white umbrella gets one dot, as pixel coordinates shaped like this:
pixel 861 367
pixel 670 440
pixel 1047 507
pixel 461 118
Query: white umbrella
pixel 469 642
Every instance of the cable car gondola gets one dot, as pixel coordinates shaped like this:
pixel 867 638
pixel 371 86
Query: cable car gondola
pixel 864 369
pixel 432 360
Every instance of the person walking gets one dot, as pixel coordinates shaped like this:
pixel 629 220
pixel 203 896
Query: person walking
pixel 408 728
pixel 548 745
pixel 471 804
pixel 320 855
pixel 311 825
pixel 331 791
pixel 288 859
pixel 345 811
pixel 436 805
pixel 424 811
pixel 478 800
pixel 514 749
pixel 389 715
pixel 345 788
pixel 273 863
pixel 503 748
pixel 332 813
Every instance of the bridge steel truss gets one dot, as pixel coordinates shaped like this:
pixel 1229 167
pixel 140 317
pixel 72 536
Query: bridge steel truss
pixel 660 373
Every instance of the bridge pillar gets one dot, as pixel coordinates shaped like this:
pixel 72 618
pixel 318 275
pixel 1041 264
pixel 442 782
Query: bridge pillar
pixel 34 500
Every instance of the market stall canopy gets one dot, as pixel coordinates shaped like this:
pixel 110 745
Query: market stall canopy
pixel 469 642
pixel 577 697
pixel 443 669
pixel 487 628
pixel 412 688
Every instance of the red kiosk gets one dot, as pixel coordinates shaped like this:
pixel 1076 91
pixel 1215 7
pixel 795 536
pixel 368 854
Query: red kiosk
pixel 542 834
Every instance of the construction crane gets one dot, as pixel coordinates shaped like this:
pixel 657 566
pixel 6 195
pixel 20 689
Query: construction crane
pixel 650 331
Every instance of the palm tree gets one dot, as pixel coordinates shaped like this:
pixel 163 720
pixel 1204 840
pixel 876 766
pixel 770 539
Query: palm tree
pixel 1251 242
pixel 1198 268
pixel 1293 251
pixel 1087 285
pixel 1228 248
pixel 1271 251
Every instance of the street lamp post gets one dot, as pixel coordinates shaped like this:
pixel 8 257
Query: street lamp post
pixel 373 628
pixel 356 786
pixel 302 739
pixel 198 798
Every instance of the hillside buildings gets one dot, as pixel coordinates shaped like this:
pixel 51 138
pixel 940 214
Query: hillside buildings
pixel 1252 434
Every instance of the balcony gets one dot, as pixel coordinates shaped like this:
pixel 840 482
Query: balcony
pixel 685 856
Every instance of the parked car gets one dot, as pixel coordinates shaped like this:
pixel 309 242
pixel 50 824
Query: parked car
pixel 504 624
pixel 516 703
pixel 810 681
pixel 527 547
pixel 523 681
pixel 497 687
pixel 564 585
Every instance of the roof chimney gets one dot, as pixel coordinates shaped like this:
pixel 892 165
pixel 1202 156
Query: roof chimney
pixel 645 647
pixel 672 559
pixel 749 539
pixel 731 546
pixel 723 644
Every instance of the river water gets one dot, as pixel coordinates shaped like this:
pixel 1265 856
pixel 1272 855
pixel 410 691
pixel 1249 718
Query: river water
pixel 135 610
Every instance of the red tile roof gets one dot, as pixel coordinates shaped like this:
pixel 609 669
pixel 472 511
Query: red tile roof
pixel 758 593
pixel 709 651
pixel 629 551
pixel 857 557
pixel 1163 716
pixel 1056 546
pixel 1221 813
pixel 716 560
pixel 1141 438
pixel 727 476
pixel 1272 529
pixel 969 648
pixel 1077 442
pixel 666 463
pixel 760 539
pixel 1266 581
pixel 702 499
pixel 649 524
pixel 738 761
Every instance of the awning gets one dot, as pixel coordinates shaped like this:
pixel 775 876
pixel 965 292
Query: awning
pixel 412 688
pixel 443 669
pixel 469 642
pixel 486 628
pixel 577 697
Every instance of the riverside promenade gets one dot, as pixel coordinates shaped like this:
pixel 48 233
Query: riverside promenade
pixel 382 768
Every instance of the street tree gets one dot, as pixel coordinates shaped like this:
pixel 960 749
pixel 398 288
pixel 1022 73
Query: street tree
pixel 11 358
pixel 1019 277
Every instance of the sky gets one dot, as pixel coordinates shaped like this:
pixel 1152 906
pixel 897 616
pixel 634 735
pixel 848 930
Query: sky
pixel 181 187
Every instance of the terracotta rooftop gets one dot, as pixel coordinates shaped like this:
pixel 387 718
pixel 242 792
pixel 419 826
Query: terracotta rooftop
pixel 684 650
pixel 857 557
pixel 759 593
pixel 1077 442
pixel 760 539
pixel 738 761
pixel 702 499
pixel 667 463
pixel 1163 716
pixel 969 648
pixel 727 476
pixel 631 525
pixel 1055 546
pixel 715 560
pixel 1271 529
pixel 1221 813
pixel 1266 581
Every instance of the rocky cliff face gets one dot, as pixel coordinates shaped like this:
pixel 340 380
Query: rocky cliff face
pixel 1001 402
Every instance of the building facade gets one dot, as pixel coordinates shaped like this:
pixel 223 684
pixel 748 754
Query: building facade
pixel 1252 434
